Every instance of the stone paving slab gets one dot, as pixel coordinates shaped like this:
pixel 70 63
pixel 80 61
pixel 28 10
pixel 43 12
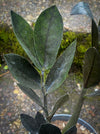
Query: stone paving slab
pixel 30 9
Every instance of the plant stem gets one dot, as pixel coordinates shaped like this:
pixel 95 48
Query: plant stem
pixel 44 95
pixel 73 120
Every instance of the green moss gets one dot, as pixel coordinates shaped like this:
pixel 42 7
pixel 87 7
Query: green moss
pixel 83 43
pixel 9 43
pixel 68 37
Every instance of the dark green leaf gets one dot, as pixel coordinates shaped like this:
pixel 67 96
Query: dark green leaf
pixel 60 70
pixel 91 72
pixel 29 123
pixel 82 8
pixel 60 102
pixel 94 35
pixel 23 71
pixel 99 32
pixel 25 36
pixel 31 94
pixel 48 34
pixel 49 129
pixel 72 130
pixel 99 26
pixel 40 119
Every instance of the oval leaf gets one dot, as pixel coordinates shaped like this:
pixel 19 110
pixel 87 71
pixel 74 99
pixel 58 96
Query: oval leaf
pixel 49 129
pixel 48 33
pixel 31 94
pixel 60 102
pixel 82 8
pixel 95 34
pixel 60 70
pixel 25 36
pixel 23 71
pixel 29 123
pixel 91 70
pixel 40 119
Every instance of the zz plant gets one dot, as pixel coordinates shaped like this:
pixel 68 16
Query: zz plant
pixel 41 45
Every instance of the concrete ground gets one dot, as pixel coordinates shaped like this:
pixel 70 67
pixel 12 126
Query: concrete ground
pixel 30 9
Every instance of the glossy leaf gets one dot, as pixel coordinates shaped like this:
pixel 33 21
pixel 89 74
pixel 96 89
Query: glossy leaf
pixel 60 102
pixel 72 130
pixel 31 94
pixel 95 35
pixel 60 70
pixel 91 72
pixel 48 34
pixel 49 129
pixel 99 32
pixel 40 119
pixel 23 71
pixel 25 36
pixel 82 8
pixel 29 123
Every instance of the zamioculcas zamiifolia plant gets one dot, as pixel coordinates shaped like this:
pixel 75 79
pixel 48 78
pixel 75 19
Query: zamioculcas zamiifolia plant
pixel 41 45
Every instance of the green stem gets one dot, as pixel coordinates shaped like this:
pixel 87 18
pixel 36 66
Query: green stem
pixel 46 105
pixel 73 120
pixel 44 95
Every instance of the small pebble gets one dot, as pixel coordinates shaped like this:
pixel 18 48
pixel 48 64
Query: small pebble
pixel 82 128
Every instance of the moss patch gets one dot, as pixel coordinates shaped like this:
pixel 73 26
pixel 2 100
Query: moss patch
pixel 83 43
pixel 9 44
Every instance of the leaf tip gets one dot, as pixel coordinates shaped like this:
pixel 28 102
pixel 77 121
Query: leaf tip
pixel 12 13
pixel 53 6
pixel 21 115
pixel 5 57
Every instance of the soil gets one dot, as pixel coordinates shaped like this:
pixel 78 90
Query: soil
pixel 80 129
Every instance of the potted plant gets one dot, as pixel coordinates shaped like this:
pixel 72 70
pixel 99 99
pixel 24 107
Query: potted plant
pixel 45 71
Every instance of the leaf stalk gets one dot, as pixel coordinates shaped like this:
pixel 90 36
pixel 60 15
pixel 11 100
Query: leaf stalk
pixel 73 120
pixel 44 94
